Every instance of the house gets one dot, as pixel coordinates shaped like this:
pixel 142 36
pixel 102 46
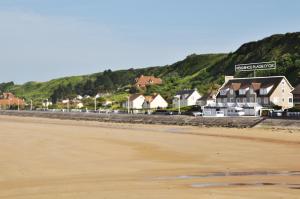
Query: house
pixel 7 100
pixel 250 95
pixel 107 103
pixel 207 99
pixel 79 105
pixel 296 96
pixel 144 81
pixel 186 98
pixel 135 102
pixel 155 101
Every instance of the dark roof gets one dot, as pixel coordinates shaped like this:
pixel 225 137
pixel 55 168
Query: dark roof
pixel 296 91
pixel 255 83
pixel 209 95
pixel 187 93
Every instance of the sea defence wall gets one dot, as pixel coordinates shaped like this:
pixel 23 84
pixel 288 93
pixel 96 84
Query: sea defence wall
pixel 234 122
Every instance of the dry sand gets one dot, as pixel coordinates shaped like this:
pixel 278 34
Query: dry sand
pixel 48 158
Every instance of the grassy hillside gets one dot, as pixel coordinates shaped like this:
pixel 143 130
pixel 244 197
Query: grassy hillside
pixel 204 72
pixel 284 49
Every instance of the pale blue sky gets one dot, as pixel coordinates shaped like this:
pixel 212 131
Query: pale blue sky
pixel 45 39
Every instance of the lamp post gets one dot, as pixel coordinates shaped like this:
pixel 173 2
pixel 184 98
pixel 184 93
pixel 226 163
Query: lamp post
pixel 128 104
pixel 97 96
pixel 68 105
pixel 179 103
pixel 255 103
pixel 47 103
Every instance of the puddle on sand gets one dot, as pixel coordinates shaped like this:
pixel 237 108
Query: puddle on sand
pixel 237 174
pixel 233 174
pixel 256 184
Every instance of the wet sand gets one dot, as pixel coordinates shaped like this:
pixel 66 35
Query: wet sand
pixel 48 158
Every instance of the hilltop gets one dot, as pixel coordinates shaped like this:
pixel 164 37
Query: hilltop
pixel 204 72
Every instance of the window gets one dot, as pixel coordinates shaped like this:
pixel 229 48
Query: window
pixel 232 100
pixel 290 100
pixel 263 91
pixel 225 100
pixel 245 100
pixel 242 91
pixel 283 90
pixel 223 92
pixel 259 100
pixel 266 100
pixel 231 91
pixel 238 100
pixel 282 99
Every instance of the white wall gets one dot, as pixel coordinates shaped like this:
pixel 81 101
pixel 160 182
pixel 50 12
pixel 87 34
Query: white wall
pixel 158 101
pixel 137 103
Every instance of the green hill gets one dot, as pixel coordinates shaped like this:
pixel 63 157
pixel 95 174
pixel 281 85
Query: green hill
pixel 204 72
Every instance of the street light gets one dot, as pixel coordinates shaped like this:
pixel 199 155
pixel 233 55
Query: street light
pixel 255 103
pixel 178 96
pixel 30 105
pixel 97 96
pixel 128 109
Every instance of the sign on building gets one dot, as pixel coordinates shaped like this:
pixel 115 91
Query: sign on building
pixel 256 66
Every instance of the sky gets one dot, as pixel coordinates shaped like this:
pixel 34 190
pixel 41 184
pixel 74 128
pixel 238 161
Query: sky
pixel 45 39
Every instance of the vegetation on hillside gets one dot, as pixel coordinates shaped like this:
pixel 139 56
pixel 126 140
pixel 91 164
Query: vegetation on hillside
pixel 204 72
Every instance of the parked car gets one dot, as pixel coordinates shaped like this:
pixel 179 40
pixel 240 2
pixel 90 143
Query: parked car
pixel 220 114
pixel 193 113
pixel 161 112
pixel 197 113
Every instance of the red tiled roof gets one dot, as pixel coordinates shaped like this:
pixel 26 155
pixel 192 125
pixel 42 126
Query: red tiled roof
pixel 147 80
pixel 13 101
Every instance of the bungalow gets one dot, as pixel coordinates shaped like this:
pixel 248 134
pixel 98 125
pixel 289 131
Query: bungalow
pixel 186 98
pixel 296 96
pixel 155 101
pixel 135 102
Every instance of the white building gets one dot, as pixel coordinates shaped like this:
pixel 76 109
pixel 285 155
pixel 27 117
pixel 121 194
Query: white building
pixel 186 98
pixel 155 101
pixel 135 102
pixel 207 99
pixel 247 96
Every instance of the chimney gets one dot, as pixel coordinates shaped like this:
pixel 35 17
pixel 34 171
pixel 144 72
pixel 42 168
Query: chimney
pixel 227 78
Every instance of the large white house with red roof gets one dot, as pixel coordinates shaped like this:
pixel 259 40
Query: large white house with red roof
pixel 252 94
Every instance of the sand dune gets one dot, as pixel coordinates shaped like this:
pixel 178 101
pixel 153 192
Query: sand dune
pixel 48 158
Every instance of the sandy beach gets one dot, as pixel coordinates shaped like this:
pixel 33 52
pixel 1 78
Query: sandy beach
pixel 49 158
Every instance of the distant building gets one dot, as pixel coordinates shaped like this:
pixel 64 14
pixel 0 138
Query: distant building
pixel 296 96
pixel 135 101
pixel 144 81
pixel 207 99
pixel 248 96
pixel 155 101
pixel 107 103
pixel 8 100
pixel 266 91
pixel 186 98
